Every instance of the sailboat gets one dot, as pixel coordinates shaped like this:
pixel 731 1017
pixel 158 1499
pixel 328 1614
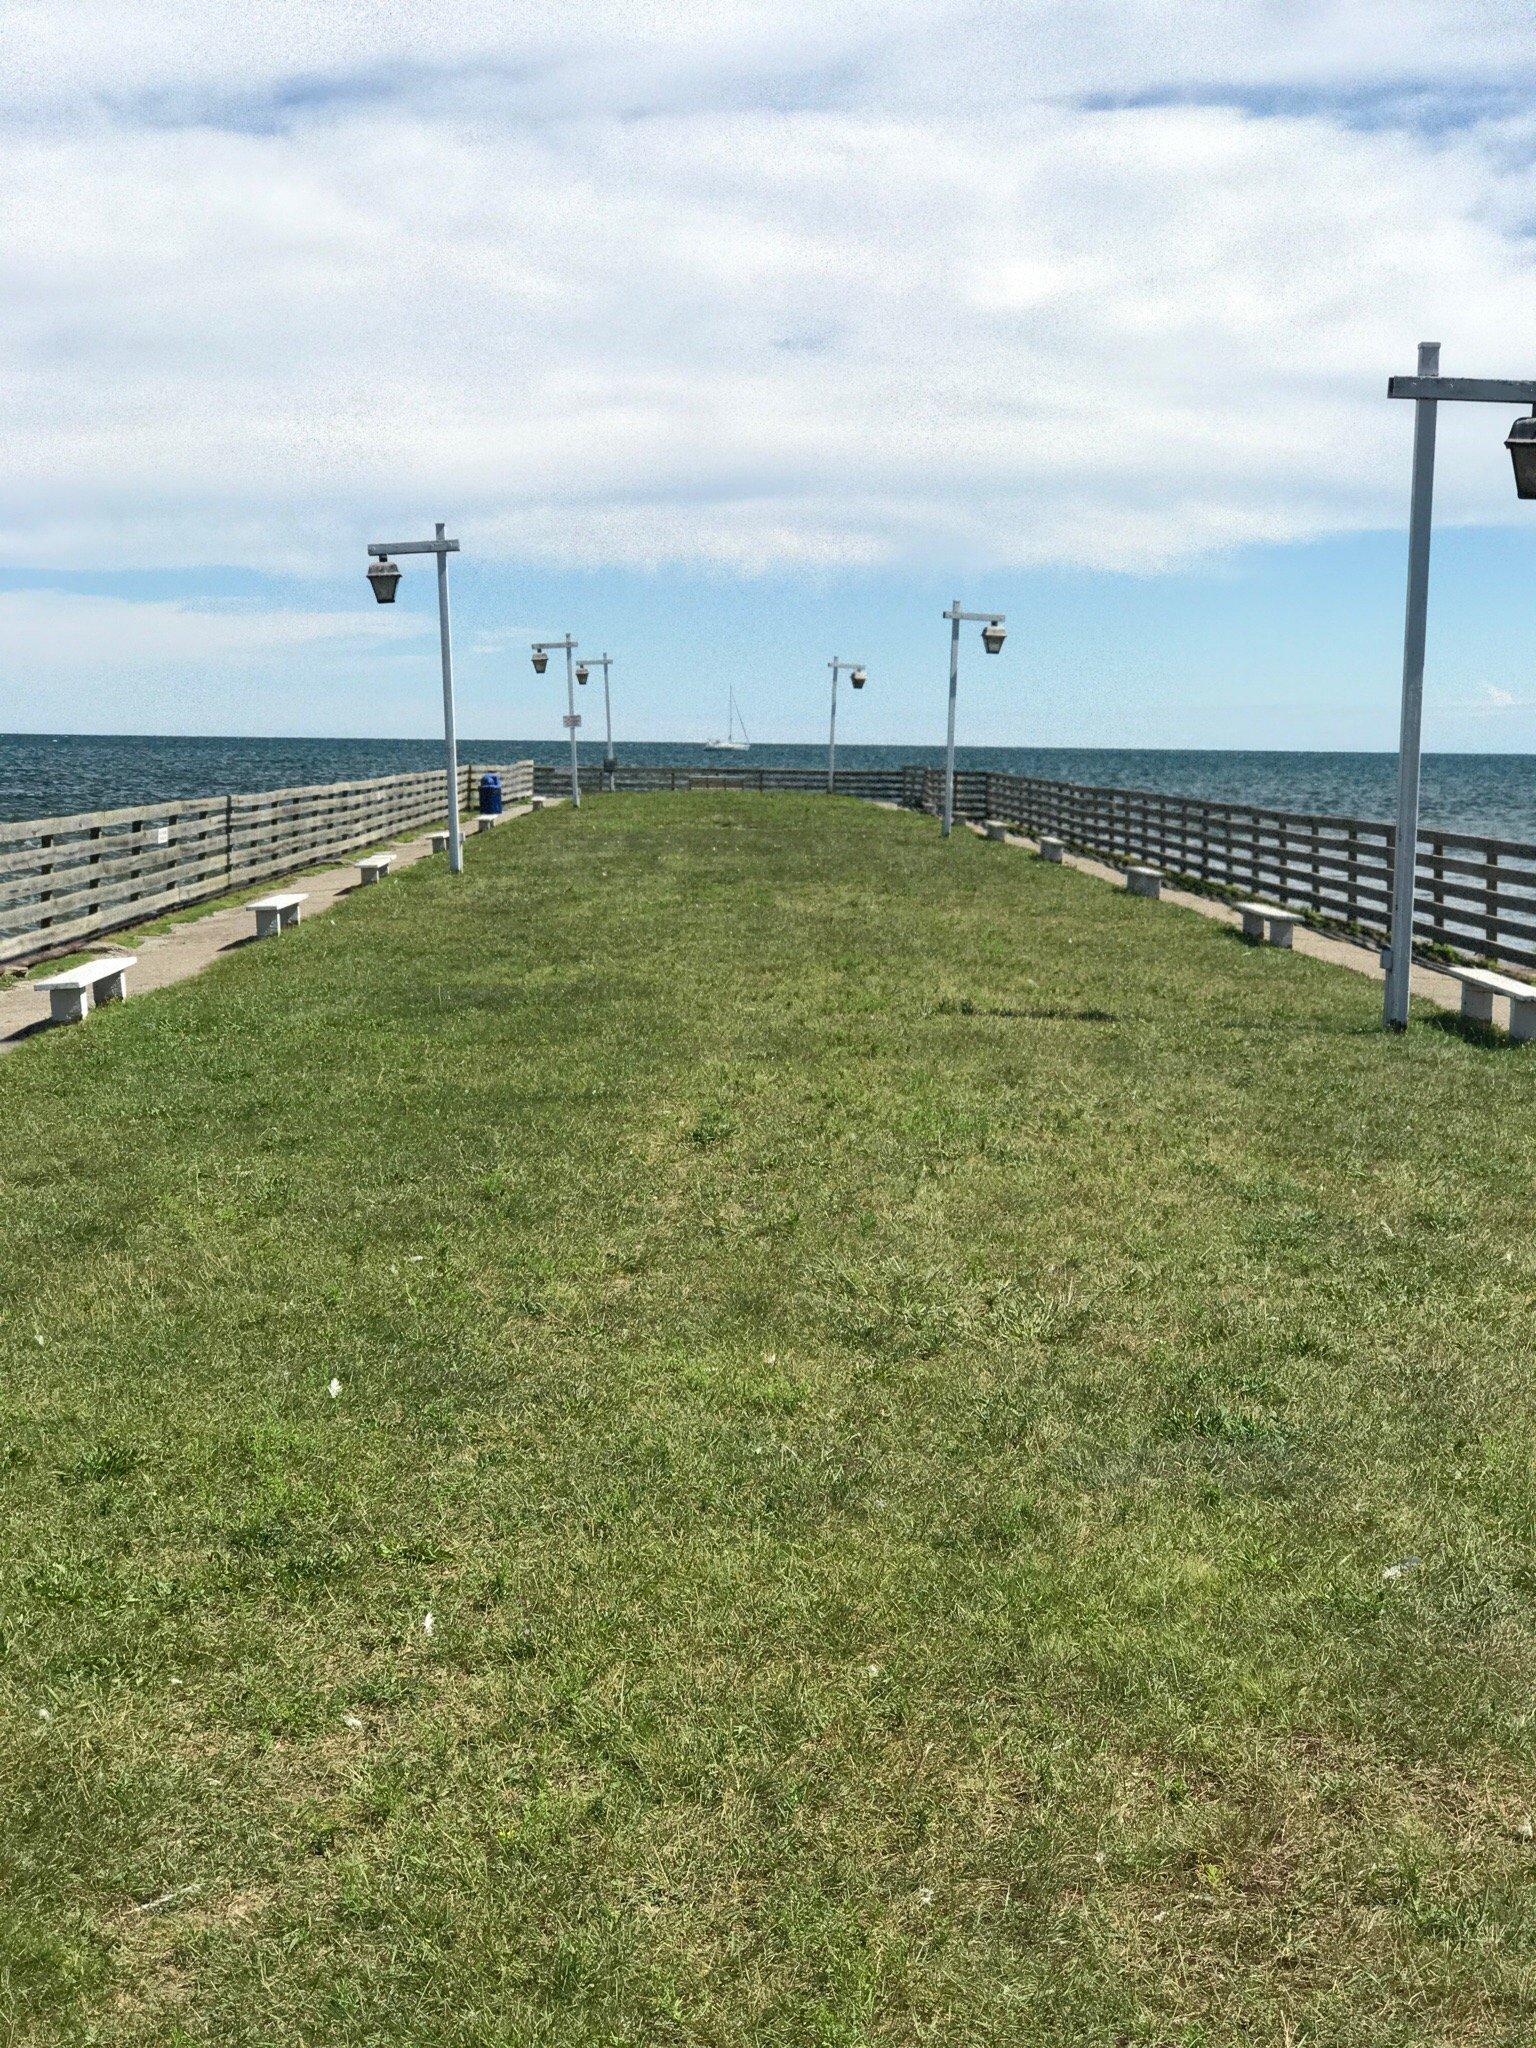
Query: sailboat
pixel 730 744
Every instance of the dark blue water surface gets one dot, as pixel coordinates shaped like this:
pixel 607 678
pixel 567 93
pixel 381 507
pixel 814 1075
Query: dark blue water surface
pixel 49 776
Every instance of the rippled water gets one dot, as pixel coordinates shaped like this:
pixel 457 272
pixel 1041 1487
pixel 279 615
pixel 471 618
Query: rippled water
pixel 44 776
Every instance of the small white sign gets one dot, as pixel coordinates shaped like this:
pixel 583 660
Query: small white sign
pixel 571 720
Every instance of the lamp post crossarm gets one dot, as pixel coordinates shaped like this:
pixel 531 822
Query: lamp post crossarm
pixel 1477 390
pixel 381 548
pixel 543 646
pixel 975 618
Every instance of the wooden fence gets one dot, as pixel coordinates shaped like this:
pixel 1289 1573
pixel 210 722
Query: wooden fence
pixel 65 880
pixel 889 785
pixel 1476 896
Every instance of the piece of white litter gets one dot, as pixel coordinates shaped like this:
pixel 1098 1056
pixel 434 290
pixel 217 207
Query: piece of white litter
pixel 351 1720
pixel 872 1671
pixel 334 1389
pixel 1396 1571
pixel 414 1258
pixel 167 1898
pixel 43 1714
pixel 925 1897
pixel 39 1336
pixel 427 1624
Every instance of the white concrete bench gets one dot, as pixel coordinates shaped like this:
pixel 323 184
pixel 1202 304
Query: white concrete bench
pixel 1050 849
pixel 537 803
pixel 375 867
pixel 1263 922
pixel 1479 986
pixel 995 828
pixel 70 993
pixel 487 821
pixel 439 842
pixel 277 913
pixel 1144 881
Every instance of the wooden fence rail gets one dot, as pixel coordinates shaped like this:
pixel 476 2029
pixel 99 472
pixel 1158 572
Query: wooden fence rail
pixel 68 880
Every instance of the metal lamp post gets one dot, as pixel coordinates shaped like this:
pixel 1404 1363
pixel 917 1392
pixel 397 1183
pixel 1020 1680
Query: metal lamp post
pixel 858 678
pixel 572 719
pixel 992 638
pixel 583 670
pixel 384 576
pixel 1427 388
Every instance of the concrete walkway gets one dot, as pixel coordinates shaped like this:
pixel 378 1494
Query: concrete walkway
pixel 1440 989
pixel 186 949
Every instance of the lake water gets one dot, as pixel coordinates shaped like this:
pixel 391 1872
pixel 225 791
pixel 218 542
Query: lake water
pixel 48 776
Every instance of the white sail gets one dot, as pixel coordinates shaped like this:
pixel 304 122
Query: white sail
pixel 730 744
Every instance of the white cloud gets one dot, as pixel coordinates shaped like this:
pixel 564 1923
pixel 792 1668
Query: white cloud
pixel 612 52
pixel 1491 698
pixel 123 665
pixel 744 287
pixel 57 633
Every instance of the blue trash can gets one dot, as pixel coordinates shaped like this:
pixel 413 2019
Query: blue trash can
pixel 490 795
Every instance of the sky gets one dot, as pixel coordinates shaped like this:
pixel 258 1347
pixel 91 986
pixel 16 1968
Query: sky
pixel 729 338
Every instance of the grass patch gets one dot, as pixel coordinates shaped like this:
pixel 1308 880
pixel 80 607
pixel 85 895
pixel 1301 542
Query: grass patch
pixel 899 1377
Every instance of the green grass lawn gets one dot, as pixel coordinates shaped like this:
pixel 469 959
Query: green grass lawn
pixel 900 1375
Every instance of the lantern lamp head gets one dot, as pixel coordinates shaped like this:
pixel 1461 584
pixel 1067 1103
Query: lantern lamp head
pixel 993 636
pixel 1522 450
pixel 384 575
pixel 540 661
pixel 858 678
pixel 582 671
